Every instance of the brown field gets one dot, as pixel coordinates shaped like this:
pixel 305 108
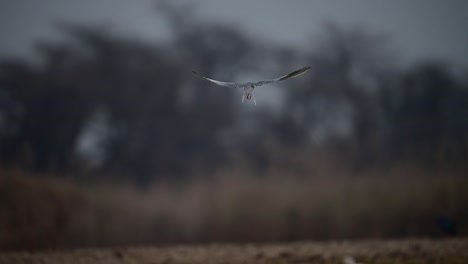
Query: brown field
pixel 363 251
pixel 39 212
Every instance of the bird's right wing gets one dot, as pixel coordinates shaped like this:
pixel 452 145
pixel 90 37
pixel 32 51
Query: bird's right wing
pixel 285 77
pixel 226 84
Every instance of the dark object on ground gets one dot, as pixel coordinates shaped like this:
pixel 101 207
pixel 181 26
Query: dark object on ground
pixel 447 225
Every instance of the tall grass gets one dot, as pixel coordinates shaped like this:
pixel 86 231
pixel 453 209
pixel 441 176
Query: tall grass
pixel 42 211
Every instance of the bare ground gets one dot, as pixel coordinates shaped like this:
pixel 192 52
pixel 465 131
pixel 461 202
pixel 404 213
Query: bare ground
pixel 364 251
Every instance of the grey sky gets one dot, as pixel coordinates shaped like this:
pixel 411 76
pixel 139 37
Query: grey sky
pixel 419 29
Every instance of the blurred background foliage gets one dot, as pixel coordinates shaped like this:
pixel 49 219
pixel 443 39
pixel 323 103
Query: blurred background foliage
pixel 110 140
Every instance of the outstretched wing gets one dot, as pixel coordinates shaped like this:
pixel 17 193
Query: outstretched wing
pixel 226 84
pixel 285 77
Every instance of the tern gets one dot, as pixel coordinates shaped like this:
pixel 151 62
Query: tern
pixel 250 86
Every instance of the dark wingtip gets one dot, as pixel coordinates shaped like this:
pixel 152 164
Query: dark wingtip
pixel 197 75
pixel 295 73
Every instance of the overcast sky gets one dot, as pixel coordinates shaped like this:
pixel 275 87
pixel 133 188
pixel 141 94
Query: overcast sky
pixel 420 29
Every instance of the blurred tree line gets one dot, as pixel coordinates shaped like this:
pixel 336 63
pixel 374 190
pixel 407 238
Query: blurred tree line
pixel 118 106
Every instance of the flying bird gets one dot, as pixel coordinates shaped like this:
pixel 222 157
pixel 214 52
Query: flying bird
pixel 250 86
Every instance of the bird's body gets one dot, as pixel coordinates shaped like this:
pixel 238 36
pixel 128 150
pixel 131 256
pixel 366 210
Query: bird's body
pixel 248 87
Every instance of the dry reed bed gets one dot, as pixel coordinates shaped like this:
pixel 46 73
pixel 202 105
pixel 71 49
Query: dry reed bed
pixel 236 206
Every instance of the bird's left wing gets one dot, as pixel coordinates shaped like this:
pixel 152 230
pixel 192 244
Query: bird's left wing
pixel 285 77
pixel 226 84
